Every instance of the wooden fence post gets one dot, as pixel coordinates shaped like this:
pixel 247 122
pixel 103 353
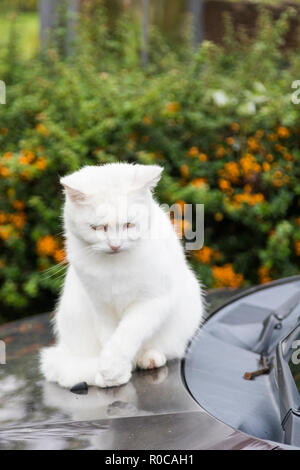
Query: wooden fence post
pixel 49 19
pixel 145 32
pixel 72 17
pixel 196 8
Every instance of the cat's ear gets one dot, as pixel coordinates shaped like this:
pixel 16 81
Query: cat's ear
pixel 74 194
pixel 148 176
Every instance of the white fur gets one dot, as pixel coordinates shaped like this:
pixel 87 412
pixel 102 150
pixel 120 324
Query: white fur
pixel 139 306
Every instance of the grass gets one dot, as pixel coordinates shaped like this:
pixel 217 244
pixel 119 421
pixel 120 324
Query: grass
pixel 27 27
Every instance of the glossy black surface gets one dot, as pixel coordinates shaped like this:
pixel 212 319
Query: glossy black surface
pixel 153 411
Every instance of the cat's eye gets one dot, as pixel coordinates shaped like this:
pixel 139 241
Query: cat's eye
pixel 100 227
pixel 129 225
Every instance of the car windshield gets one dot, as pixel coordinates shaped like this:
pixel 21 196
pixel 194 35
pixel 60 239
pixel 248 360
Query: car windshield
pixel 273 327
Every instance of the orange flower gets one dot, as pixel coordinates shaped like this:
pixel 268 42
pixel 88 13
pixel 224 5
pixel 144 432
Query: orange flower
pixel 252 144
pixel 3 131
pixel 42 129
pixel 23 160
pixel 263 274
pixel 297 247
pixel 266 166
pixel 218 216
pixel 272 137
pixel 193 152
pixel 235 126
pixel 3 218
pixel 198 182
pixel 280 148
pixel 259 133
pixel 271 233
pixel 249 164
pixel 283 132
pixel 231 172
pixel 288 156
pixel 26 157
pixel 185 171
pixel 206 254
pixel 46 245
pixel 159 155
pixel 181 226
pixel 25 175
pixel 224 185
pixel 18 205
pixel 278 179
pixel 220 151
pixel 4 171
pixel 269 157
pixel 225 276
pixel 7 155
pixel 18 220
pixel 202 157
pixel 230 141
pixel 30 155
pixel 41 163
pixel 147 120
pixel 173 107
pixel 60 256
pixel 133 136
pixel 5 232
pixel 247 198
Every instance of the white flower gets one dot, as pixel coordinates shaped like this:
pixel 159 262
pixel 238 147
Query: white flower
pixel 220 98
pixel 259 87
pixel 247 108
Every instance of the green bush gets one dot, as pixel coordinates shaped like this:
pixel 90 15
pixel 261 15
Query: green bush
pixel 220 121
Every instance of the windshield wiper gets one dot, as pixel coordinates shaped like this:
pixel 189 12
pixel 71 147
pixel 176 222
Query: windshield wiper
pixel 274 322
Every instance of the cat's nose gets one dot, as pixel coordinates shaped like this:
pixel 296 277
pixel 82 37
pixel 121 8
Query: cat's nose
pixel 115 248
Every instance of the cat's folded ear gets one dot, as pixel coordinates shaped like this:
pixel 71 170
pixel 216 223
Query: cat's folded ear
pixel 74 194
pixel 147 176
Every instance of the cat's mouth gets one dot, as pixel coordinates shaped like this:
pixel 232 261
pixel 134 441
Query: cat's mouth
pixel 107 251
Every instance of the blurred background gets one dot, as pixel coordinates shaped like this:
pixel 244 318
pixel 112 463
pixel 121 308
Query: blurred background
pixel 201 87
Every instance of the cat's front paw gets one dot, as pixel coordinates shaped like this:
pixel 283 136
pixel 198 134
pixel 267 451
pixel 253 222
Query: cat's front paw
pixel 150 359
pixel 114 370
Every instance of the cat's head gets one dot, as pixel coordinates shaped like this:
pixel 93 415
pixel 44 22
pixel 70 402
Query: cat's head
pixel 109 206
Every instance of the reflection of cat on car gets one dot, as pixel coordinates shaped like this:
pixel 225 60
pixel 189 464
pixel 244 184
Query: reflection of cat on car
pixel 99 404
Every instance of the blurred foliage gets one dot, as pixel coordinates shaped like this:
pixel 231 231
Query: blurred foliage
pixel 219 119
pixel 28 26
pixel 20 5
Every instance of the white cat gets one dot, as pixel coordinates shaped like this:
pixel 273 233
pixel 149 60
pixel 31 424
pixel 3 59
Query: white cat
pixel 129 299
